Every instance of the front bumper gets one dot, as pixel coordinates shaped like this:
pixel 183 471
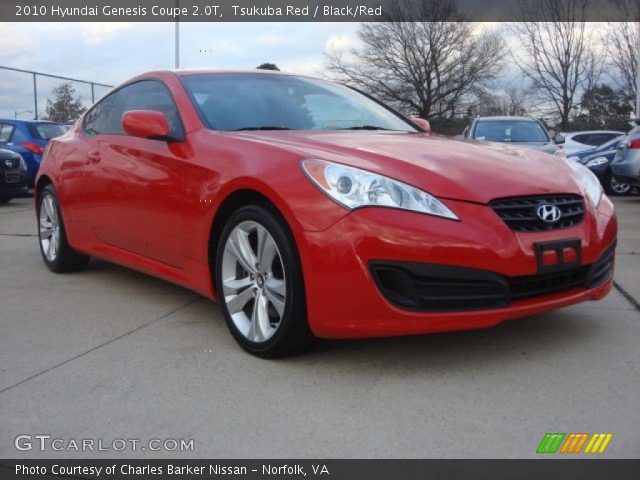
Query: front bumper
pixel 16 187
pixel 344 301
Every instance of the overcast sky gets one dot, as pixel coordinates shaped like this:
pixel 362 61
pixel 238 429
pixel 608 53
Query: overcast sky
pixel 112 52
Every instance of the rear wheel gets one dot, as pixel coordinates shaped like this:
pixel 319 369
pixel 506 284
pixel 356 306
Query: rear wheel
pixel 4 199
pixel 260 286
pixel 58 256
pixel 614 187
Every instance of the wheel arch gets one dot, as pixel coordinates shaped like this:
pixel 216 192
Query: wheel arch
pixel 233 201
pixel 42 182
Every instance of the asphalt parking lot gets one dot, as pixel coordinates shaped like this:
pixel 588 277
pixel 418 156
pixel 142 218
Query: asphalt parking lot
pixel 110 353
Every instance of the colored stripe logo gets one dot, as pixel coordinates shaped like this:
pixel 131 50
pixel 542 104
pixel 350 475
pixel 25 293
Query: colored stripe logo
pixel 574 443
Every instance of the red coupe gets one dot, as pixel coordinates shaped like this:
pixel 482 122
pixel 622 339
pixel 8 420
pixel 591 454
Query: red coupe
pixel 309 209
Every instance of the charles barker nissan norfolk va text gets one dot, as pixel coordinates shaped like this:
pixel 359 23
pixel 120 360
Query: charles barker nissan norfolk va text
pixel 310 210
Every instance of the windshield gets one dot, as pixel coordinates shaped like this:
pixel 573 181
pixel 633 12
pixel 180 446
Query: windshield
pixel 510 131
pixel 46 131
pixel 231 101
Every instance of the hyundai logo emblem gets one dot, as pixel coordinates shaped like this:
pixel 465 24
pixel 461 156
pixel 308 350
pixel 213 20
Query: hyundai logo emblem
pixel 549 213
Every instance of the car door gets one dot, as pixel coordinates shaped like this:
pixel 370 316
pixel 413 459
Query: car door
pixel 135 185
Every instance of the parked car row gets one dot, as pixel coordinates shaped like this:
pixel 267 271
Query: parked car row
pixel 595 149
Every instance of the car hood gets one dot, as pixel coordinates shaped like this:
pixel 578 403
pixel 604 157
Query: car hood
pixel 445 167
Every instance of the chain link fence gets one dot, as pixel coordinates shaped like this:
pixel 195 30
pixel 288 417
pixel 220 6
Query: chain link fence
pixel 24 93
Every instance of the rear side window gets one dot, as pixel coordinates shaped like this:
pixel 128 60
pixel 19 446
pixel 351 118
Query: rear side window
pixel 594 139
pixel 581 139
pixel 6 132
pixel 45 131
pixel 597 139
pixel 144 95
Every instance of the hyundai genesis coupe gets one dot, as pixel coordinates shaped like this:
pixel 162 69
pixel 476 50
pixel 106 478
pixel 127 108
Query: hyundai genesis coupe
pixel 310 210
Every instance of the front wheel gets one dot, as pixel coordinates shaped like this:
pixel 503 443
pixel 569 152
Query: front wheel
pixel 260 285
pixel 614 187
pixel 58 256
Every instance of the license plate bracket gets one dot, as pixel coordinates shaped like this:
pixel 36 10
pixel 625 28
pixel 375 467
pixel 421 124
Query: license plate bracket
pixel 560 247
pixel 11 177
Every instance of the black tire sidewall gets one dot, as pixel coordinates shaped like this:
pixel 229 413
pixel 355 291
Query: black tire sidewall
pixel 294 318
pixel 609 189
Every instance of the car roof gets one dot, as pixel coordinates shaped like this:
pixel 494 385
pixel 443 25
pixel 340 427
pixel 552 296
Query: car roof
pixel 20 120
pixel 256 71
pixel 498 118
pixel 201 71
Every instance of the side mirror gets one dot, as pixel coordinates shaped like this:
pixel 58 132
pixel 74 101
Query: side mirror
pixel 146 124
pixel 559 139
pixel 421 123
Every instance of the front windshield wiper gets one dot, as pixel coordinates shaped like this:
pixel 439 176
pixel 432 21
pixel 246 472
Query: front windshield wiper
pixel 365 127
pixel 265 127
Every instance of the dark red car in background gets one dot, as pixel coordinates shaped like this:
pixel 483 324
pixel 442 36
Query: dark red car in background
pixel 310 210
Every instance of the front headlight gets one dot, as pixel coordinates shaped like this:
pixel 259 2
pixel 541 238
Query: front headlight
pixel 589 182
pixel 353 188
pixel 596 161
pixel 23 164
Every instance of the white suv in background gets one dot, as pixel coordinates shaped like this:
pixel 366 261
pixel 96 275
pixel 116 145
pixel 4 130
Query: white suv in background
pixel 575 142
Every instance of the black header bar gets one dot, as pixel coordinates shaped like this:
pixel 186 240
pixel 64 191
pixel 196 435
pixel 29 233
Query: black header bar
pixel 314 10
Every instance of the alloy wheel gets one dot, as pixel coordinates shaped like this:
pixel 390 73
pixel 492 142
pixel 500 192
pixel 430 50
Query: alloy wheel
pixel 253 281
pixel 49 227
pixel 619 187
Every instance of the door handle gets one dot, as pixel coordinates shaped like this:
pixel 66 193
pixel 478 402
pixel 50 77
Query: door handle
pixel 94 157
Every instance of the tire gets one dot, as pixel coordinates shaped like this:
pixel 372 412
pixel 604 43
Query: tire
pixel 262 295
pixel 4 199
pixel 615 188
pixel 58 256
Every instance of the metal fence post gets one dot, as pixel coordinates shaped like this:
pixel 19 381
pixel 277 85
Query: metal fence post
pixel 35 96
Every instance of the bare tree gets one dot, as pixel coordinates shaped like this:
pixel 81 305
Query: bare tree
pixel 621 41
pixel 510 101
pixel 423 67
pixel 556 51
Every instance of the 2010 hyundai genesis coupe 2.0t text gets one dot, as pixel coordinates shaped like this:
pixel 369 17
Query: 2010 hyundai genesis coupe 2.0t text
pixel 310 210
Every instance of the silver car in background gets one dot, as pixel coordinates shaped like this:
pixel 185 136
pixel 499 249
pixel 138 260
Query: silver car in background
pixel 626 164
pixel 520 131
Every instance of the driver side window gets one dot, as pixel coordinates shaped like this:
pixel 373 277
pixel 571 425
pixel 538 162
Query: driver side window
pixel 106 117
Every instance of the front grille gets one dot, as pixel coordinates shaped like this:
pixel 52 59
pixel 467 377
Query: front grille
pixel 536 285
pixel 9 163
pixel 520 214
pixel 439 288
